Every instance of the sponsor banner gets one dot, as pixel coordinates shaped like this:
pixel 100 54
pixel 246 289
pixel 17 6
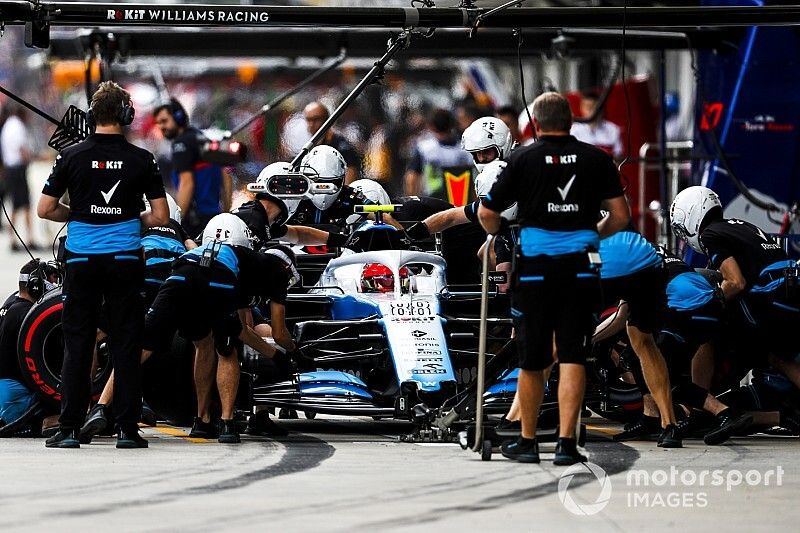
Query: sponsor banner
pixel 194 16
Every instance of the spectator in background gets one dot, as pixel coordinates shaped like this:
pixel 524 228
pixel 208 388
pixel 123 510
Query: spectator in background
pixel 203 190
pixel 510 116
pixel 466 114
pixel 14 139
pixel 599 132
pixel 434 153
pixel 316 114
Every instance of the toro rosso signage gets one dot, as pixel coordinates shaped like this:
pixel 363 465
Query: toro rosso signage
pixel 197 16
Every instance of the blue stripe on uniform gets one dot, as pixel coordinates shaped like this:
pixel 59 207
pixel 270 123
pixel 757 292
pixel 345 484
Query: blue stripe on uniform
pixel 126 258
pixel 626 252
pixel 78 260
pixel 84 238
pixel 220 285
pixel 176 278
pixel 536 241
pixel 225 255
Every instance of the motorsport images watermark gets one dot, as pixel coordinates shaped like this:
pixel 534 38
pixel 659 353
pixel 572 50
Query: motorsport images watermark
pixel 676 487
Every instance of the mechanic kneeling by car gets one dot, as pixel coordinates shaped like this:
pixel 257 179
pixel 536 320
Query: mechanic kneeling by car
pixel 36 278
pixel 207 285
pixel 559 184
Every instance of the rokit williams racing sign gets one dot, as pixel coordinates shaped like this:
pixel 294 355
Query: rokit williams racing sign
pixel 189 16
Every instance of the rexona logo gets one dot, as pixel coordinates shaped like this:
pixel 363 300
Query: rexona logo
pixel 107 165
pixel 105 210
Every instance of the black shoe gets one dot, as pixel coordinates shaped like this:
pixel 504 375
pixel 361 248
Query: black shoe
pixel 696 425
pixel 228 432
pixel 148 417
pixel 65 438
pixel 203 430
pixel 731 421
pixel 261 424
pixel 645 428
pixel 567 453
pixel 96 423
pixel 521 449
pixel 508 426
pixel 129 439
pixel 670 437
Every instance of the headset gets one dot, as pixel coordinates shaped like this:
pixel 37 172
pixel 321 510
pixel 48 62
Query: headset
pixel 178 112
pixel 125 115
pixel 36 283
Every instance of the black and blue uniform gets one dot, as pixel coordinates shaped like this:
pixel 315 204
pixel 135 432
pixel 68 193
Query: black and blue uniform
pixel 632 271
pixel 199 299
pixel 105 177
pixel 162 245
pixel 559 184
pixel 769 304
pixel 206 200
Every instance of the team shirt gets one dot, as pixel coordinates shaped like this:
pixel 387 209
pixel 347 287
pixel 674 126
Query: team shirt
pixel 106 177
pixel 207 177
pixel 163 244
pixel 559 184
pixel 11 316
pixel 255 216
pixel 759 256
pixel 686 289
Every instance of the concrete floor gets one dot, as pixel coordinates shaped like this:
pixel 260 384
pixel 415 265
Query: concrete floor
pixel 337 474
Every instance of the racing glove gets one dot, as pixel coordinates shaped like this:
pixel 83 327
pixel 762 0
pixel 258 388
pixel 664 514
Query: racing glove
pixel 303 362
pixel 418 231
pixel 336 240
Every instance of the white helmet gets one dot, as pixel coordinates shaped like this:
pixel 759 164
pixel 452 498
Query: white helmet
pixel 262 191
pixel 688 210
pixel 487 132
pixel 174 208
pixel 373 191
pixel 325 164
pixel 486 179
pixel 229 229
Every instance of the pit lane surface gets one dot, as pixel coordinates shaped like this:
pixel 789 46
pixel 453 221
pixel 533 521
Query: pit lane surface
pixel 340 474
pixel 344 474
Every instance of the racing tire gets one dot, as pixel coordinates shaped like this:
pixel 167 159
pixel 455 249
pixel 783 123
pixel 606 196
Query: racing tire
pixel 287 414
pixel 486 450
pixel 310 415
pixel 40 351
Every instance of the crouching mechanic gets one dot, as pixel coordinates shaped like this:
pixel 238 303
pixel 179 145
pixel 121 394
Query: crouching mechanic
pixel 206 286
pixel 758 278
pixel 559 184
pixel 105 177
pixel 35 280
pixel 693 323
pixel 633 273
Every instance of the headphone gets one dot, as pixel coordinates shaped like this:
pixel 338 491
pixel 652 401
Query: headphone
pixel 36 283
pixel 178 112
pixel 125 115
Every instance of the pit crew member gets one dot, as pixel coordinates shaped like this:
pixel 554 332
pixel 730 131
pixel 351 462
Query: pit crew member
pixel 105 177
pixel 558 184
pixel 758 278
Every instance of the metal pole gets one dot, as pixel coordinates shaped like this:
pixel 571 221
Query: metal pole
pixel 481 380
pixel 176 15
pixel 278 100
pixel 395 45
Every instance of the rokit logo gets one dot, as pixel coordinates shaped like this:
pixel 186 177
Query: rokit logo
pixel 189 15
pixel 107 165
